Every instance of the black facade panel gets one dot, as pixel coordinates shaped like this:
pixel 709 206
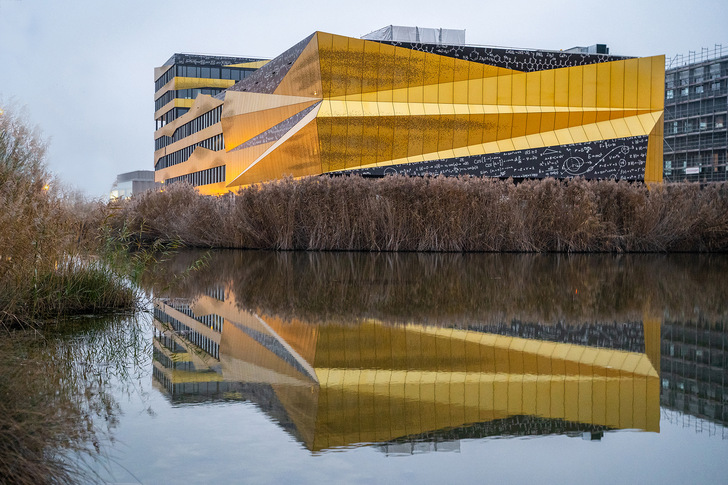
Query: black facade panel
pixel 620 158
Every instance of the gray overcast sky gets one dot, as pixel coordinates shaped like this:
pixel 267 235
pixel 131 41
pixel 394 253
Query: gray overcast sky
pixel 84 69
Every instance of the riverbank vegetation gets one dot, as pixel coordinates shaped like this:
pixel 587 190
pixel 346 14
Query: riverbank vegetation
pixel 58 409
pixel 438 214
pixel 49 242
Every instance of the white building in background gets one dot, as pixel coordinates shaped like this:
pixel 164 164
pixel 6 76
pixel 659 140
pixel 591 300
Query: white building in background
pixel 130 183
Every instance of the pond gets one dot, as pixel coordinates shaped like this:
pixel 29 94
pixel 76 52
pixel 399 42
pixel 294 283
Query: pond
pixel 270 367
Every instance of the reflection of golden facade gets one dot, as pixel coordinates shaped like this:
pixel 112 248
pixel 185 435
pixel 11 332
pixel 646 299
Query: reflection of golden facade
pixel 334 104
pixel 338 385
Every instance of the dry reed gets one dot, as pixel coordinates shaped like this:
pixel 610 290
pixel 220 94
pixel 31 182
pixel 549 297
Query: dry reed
pixel 438 214
pixel 45 238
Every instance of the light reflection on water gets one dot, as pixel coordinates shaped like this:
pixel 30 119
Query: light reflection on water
pixel 412 354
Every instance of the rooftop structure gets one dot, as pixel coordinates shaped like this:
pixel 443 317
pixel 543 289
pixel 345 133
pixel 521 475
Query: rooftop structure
pixel 397 33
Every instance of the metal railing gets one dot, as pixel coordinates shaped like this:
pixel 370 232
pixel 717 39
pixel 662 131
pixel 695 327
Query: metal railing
pixel 694 57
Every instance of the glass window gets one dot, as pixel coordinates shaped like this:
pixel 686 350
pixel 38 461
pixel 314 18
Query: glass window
pixel 215 72
pixel 697 74
pixel 685 91
pixel 714 70
pixel 205 72
pixel 669 94
pixel 684 76
pixel 698 89
pixel 225 73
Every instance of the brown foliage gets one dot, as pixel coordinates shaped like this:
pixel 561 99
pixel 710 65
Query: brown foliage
pixel 45 234
pixel 438 214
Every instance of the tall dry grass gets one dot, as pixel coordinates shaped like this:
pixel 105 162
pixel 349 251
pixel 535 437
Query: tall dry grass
pixel 46 236
pixel 438 214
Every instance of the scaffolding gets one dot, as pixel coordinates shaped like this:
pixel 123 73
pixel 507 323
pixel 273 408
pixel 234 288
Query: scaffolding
pixel 693 57
pixel 696 116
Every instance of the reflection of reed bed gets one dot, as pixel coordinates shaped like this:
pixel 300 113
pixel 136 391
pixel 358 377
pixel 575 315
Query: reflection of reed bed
pixel 56 400
pixel 440 214
pixel 459 289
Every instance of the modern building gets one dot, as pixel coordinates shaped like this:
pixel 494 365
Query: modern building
pixel 130 183
pixel 179 132
pixel 429 104
pixel 696 104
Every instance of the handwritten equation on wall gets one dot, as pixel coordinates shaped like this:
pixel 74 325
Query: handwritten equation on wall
pixel 620 159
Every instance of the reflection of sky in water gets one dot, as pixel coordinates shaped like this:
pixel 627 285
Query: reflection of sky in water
pixel 570 371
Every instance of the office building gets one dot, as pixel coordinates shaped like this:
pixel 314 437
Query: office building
pixel 696 95
pixel 412 101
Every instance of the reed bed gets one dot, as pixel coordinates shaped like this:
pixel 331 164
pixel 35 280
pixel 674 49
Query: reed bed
pixel 47 238
pixel 441 214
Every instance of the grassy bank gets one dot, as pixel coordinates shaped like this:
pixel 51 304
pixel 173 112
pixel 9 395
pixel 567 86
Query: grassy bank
pixel 47 239
pixel 438 214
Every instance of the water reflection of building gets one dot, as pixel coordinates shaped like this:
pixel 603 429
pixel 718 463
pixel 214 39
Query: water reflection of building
pixel 694 359
pixel 334 385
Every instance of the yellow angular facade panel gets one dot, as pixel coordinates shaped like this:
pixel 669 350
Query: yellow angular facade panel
pixel 338 58
pixel 561 86
pixel 241 128
pixel 657 91
pixel 354 66
pixel 631 79
pixel 616 87
pixel 370 68
pixel 386 67
pixel 253 64
pixel 604 82
pixel 644 83
pixel 304 77
pixel 654 166
pixel 298 156
pixel 193 82
pixel 325 45
pixel 589 86
pixel 576 86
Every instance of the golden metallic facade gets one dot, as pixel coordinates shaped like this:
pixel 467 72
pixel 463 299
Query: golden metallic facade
pixel 351 104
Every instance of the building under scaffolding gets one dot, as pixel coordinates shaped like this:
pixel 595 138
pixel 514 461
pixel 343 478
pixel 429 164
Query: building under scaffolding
pixel 696 94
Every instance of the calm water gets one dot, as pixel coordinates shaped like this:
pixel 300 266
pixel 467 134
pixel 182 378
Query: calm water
pixel 356 368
